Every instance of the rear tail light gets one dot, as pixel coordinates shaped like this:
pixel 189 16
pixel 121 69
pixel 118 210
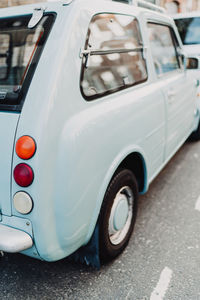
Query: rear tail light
pixel 23 175
pixel 25 147
pixel 23 203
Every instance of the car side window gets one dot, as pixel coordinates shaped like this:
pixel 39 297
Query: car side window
pixel 113 56
pixel 163 49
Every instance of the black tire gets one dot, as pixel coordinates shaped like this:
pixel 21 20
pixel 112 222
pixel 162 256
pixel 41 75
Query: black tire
pixel 123 185
pixel 195 136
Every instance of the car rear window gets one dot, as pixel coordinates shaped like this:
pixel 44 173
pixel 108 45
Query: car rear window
pixel 20 50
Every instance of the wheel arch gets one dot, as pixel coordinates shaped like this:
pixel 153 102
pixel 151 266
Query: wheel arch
pixel 135 163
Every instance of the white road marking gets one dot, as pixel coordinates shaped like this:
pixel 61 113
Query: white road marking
pixel 130 291
pixel 197 205
pixel 162 285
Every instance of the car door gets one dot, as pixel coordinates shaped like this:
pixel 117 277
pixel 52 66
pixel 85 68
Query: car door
pixel 178 88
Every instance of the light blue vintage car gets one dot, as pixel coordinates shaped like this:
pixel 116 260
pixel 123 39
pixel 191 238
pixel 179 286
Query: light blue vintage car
pixel 94 101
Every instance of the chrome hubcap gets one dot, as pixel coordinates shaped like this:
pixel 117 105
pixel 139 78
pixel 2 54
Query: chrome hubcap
pixel 121 215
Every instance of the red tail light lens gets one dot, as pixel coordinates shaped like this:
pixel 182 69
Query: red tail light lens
pixel 23 175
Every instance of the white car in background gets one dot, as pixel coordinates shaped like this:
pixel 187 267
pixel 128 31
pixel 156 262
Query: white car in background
pixel 189 29
pixel 188 25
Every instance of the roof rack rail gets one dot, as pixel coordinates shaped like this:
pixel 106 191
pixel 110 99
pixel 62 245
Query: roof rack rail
pixel 123 1
pixel 143 3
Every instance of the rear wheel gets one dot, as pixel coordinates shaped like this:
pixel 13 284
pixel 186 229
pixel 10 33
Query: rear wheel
pixel 118 215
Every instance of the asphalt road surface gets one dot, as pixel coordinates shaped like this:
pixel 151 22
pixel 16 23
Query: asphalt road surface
pixel 162 260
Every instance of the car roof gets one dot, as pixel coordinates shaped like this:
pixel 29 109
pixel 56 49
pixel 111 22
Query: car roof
pixel 57 7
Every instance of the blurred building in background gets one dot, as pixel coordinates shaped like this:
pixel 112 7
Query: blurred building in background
pixel 172 6
pixel 6 3
pixel 175 6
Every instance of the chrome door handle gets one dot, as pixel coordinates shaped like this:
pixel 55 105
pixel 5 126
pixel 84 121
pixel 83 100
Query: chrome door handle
pixel 171 94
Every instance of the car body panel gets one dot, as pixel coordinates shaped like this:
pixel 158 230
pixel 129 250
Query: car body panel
pixel 8 124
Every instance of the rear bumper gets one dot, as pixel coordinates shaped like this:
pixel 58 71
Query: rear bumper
pixel 14 240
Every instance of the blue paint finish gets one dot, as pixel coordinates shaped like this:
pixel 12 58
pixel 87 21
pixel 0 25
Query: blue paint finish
pixel 8 125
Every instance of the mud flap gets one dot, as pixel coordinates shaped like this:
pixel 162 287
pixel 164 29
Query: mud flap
pixel 89 254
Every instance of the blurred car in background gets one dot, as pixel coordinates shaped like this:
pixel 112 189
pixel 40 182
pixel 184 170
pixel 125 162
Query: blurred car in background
pixel 189 29
pixel 188 25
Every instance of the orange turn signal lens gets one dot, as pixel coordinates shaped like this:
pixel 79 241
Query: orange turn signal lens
pixel 25 147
